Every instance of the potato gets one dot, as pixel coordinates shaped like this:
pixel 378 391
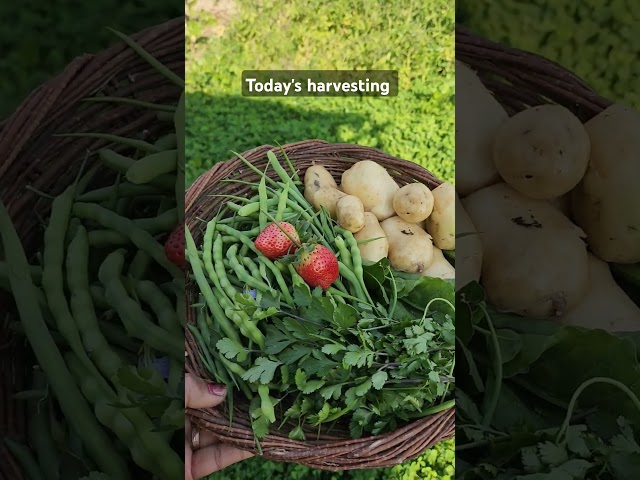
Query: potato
pixel 315 178
pixel 534 259
pixel 410 247
pixel 478 115
pixel 413 203
pixel 562 203
pixel 375 250
pixel 468 249
pixel 440 267
pixel 605 203
pixel 350 213
pixel 605 306
pixel 372 184
pixel 327 197
pixel 542 151
pixel 441 224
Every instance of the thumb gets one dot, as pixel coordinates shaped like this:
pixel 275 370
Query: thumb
pixel 199 393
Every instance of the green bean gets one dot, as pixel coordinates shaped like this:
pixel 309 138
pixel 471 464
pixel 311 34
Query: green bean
pixel 356 261
pixel 125 189
pixel 249 209
pixel 122 164
pixel 161 306
pixel 147 57
pixel 128 142
pixel 282 203
pixel 266 406
pixel 205 354
pixel 181 306
pixel 179 124
pixel 117 336
pixel 139 237
pixel 131 101
pixel 345 255
pixel 139 264
pixel 348 274
pixel 241 272
pixel 27 460
pixel 132 316
pixel 164 462
pixel 152 166
pixel 203 284
pixel 278 278
pixel 255 270
pixel 221 274
pixel 40 432
pixel 264 203
pixel 168 141
pixel 34 270
pixel 71 402
pixel 161 223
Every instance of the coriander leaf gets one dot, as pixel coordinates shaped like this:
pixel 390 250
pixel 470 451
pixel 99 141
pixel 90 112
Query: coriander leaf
pixel 276 340
pixel 345 316
pixel 530 460
pixel 291 355
pixel 378 379
pixel 576 467
pixel 363 388
pixel 320 309
pixel 576 442
pixel 231 349
pixel 260 426
pixel 331 391
pixel 332 348
pixel 357 357
pixel 552 454
pixel 263 371
pixel 297 434
pixel 312 386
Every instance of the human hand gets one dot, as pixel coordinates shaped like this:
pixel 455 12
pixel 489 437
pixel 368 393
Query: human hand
pixel 206 456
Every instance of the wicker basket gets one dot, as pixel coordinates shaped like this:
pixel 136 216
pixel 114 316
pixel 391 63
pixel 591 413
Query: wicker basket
pixel 29 155
pixel 329 452
pixel 521 79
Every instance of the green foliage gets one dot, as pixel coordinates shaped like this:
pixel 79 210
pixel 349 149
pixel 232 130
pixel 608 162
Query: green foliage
pixel 39 39
pixel 599 43
pixel 435 464
pixel 415 37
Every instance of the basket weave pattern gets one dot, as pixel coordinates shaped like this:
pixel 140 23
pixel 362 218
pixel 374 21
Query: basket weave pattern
pixel 336 451
pixel 519 79
pixel 30 155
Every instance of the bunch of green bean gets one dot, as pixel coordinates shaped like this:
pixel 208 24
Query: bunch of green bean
pixel 227 268
pixel 101 307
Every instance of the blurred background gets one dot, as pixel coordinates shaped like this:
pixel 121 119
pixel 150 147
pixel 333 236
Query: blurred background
pixel 38 39
pixel 596 39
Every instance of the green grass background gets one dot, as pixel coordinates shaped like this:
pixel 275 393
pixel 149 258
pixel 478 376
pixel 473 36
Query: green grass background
pixel 413 36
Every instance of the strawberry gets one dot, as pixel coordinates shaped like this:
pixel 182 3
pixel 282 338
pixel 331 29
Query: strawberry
pixel 273 243
pixel 318 266
pixel 174 247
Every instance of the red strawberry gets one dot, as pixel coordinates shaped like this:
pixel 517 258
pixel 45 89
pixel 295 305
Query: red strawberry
pixel 174 247
pixel 273 243
pixel 318 267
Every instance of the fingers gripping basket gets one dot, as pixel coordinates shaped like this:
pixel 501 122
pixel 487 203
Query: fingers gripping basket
pixel 31 156
pixel 330 452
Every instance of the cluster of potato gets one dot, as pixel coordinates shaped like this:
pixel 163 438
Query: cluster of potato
pixel 409 225
pixel 550 201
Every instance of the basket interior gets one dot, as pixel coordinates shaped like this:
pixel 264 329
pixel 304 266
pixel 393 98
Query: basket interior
pixel 204 201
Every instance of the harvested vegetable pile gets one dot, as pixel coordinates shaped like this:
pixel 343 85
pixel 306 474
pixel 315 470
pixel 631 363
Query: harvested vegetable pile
pixel 550 380
pixel 103 310
pixel 318 304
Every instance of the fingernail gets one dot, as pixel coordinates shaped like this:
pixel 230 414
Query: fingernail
pixel 215 389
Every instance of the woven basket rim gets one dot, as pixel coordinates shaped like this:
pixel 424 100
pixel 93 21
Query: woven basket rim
pixel 332 453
